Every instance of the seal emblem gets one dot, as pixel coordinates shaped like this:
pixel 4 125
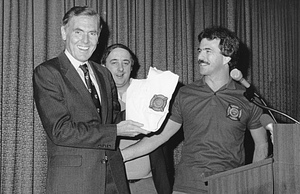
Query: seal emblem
pixel 234 112
pixel 158 102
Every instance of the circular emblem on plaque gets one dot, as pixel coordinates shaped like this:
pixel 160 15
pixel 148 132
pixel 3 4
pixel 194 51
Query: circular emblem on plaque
pixel 158 102
pixel 234 112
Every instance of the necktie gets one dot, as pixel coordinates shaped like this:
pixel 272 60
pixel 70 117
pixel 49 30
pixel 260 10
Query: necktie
pixel 91 87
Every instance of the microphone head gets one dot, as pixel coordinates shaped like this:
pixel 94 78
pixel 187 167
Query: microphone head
pixel 265 120
pixel 236 74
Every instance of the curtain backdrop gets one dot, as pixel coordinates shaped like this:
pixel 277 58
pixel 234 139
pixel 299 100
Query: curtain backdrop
pixel 162 33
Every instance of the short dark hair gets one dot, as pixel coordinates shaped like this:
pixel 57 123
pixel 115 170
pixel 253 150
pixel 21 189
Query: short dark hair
pixel 229 43
pixel 134 60
pixel 112 47
pixel 80 10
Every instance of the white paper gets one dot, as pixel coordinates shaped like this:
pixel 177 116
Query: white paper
pixel 147 100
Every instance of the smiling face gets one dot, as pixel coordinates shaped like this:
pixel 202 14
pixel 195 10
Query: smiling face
pixel 119 63
pixel 210 59
pixel 81 35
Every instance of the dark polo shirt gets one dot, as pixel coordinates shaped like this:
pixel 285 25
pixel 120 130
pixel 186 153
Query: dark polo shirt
pixel 214 125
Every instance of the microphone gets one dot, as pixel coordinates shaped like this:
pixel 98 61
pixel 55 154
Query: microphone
pixel 237 75
pixel 250 94
pixel 267 122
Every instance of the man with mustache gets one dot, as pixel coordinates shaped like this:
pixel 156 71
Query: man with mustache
pixel 214 115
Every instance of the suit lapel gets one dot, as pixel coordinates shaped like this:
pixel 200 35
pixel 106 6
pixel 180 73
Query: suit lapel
pixel 103 92
pixel 72 75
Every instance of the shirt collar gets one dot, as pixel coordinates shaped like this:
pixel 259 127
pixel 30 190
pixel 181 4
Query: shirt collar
pixel 74 61
pixel 123 96
pixel 230 85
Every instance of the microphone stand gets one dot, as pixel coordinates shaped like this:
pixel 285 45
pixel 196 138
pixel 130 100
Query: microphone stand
pixel 250 95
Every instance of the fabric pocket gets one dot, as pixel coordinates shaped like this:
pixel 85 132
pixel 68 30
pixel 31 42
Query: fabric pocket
pixel 66 160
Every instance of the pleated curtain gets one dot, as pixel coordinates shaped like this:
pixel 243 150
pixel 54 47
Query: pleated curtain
pixel 162 34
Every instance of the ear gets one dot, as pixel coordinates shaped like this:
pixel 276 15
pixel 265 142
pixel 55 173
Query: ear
pixel 226 60
pixel 99 31
pixel 63 32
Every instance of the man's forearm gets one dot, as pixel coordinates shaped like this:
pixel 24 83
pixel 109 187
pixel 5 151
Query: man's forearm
pixel 148 144
pixel 141 148
pixel 260 152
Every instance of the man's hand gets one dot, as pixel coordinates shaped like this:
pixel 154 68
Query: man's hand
pixel 150 143
pixel 130 128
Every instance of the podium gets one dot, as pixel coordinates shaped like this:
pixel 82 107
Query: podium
pixel 278 175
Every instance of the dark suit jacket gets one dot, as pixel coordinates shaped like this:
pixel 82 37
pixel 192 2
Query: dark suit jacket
pixel 77 139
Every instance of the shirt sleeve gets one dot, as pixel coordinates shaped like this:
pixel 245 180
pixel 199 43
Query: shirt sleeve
pixel 176 110
pixel 254 121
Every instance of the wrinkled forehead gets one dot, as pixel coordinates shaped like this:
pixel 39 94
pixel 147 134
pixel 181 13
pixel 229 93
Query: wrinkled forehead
pixel 119 54
pixel 84 21
pixel 209 44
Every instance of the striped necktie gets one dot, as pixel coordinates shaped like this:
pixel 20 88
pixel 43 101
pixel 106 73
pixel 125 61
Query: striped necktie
pixel 91 87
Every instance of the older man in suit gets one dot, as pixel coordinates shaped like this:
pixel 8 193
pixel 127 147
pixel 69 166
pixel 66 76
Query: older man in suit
pixel 77 102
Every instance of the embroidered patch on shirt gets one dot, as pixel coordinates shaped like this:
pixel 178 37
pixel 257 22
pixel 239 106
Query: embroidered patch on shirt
pixel 158 102
pixel 234 112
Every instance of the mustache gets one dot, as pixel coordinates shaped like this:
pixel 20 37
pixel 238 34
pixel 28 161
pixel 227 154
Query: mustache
pixel 202 61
